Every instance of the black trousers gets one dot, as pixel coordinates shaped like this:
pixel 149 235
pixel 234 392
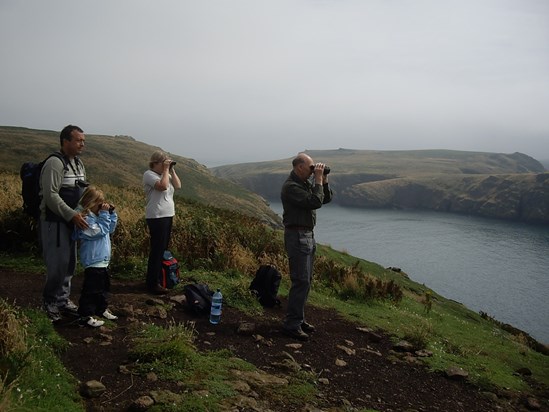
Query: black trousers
pixel 95 291
pixel 160 230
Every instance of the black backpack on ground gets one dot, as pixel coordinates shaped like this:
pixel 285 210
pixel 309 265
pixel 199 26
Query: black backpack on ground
pixel 265 285
pixel 199 298
pixel 30 185
pixel 169 275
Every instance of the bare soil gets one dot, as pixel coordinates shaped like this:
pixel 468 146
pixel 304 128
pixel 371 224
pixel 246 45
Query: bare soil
pixel 372 378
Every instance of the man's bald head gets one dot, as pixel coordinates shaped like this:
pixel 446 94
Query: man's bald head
pixel 302 165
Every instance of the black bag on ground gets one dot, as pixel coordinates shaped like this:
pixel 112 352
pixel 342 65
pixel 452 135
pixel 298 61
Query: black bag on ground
pixel 199 298
pixel 30 185
pixel 265 285
pixel 169 275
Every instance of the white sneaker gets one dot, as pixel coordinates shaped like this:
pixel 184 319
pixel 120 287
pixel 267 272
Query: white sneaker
pixel 94 323
pixel 108 315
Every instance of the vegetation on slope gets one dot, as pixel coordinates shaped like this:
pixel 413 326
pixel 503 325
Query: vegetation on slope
pixel 226 246
pixel 121 161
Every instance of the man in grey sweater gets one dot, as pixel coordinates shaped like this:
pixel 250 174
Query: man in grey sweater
pixel 62 181
pixel 300 199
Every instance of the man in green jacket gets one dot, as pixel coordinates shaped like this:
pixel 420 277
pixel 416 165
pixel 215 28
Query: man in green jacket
pixel 300 199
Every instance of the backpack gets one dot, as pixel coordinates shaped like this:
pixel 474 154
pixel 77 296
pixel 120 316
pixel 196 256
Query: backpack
pixel 265 285
pixel 199 298
pixel 30 185
pixel 169 275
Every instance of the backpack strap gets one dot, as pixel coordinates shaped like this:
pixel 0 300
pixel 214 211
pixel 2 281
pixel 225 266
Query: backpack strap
pixel 61 157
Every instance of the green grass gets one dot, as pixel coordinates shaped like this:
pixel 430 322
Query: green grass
pixel 206 378
pixel 395 163
pixel 41 382
pixel 23 262
pixel 455 335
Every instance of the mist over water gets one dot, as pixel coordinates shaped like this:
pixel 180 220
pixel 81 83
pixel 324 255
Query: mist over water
pixel 493 266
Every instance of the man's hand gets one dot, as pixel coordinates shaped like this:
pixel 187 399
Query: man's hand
pixel 79 221
pixel 319 173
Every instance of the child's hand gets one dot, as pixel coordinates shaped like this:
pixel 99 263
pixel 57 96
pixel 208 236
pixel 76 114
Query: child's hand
pixel 105 206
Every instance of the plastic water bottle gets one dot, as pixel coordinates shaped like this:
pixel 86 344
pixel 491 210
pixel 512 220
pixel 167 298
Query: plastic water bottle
pixel 215 312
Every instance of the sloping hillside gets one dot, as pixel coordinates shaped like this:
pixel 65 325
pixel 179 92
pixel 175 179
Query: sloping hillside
pixel 121 161
pixel 510 186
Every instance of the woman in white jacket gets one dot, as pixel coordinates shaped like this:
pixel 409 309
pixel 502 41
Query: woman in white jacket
pixel 159 184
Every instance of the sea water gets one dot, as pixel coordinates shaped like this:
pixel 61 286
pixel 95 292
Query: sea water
pixel 494 266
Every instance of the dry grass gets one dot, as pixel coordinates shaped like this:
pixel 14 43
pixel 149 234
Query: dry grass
pixel 12 331
pixel 351 282
pixel 13 347
pixel 6 403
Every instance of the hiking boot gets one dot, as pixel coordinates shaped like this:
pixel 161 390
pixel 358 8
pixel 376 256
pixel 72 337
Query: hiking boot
pixel 307 327
pixel 296 334
pixel 158 290
pixel 108 315
pixel 69 308
pixel 52 311
pixel 91 322
pixel 70 305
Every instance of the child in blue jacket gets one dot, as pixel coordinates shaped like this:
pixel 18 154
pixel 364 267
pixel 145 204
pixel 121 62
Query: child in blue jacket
pixel 95 254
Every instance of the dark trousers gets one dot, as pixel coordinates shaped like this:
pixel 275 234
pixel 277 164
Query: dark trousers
pixel 160 231
pixel 95 291
pixel 300 246
pixel 59 252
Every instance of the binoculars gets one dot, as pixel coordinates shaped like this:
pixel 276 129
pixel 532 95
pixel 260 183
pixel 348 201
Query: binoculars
pixel 81 183
pixel 326 169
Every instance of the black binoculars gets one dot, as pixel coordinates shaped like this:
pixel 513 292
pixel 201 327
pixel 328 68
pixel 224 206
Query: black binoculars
pixel 172 164
pixel 81 183
pixel 326 169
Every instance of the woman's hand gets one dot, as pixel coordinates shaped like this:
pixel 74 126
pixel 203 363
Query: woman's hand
pixel 166 165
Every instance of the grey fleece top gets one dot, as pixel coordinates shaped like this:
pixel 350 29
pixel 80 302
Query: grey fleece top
pixel 53 177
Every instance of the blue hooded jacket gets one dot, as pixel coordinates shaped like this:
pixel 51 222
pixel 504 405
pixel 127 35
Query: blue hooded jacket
pixel 95 241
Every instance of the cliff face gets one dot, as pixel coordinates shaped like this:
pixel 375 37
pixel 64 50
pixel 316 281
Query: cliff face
pixel 523 197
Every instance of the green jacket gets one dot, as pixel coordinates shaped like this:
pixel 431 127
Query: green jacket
pixel 300 200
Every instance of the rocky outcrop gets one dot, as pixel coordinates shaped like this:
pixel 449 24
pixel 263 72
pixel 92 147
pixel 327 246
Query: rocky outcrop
pixel 523 197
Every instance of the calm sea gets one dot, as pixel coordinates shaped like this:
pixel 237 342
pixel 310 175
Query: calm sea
pixel 497 267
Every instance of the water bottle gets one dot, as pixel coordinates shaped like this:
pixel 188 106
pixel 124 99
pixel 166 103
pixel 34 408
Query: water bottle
pixel 215 312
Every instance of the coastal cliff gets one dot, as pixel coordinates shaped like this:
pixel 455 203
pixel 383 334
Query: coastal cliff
pixel 523 197
pixel 505 186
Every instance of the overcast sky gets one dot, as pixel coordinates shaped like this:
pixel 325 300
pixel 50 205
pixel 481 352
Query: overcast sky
pixel 226 81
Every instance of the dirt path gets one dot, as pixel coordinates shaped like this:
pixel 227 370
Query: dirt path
pixel 372 378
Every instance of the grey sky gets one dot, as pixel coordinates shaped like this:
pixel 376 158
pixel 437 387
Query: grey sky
pixel 251 80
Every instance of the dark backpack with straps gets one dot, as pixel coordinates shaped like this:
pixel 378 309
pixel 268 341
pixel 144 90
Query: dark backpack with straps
pixel 265 285
pixel 199 298
pixel 30 185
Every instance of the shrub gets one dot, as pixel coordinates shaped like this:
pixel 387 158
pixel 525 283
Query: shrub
pixel 203 237
pixel 351 282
